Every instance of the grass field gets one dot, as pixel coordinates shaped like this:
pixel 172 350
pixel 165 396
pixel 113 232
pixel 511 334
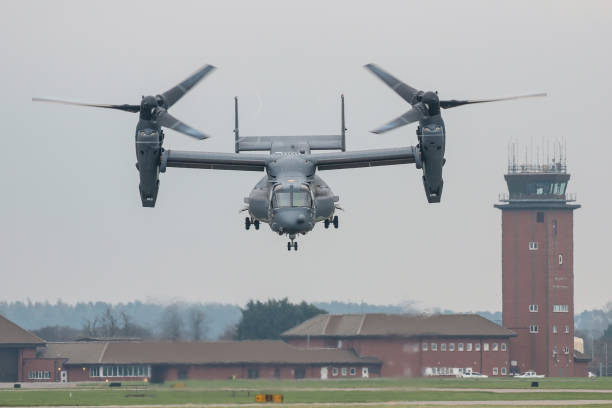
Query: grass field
pixel 313 392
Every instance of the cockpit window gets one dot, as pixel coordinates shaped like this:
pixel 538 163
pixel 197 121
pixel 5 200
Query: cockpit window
pixel 295 197
pixel 282 199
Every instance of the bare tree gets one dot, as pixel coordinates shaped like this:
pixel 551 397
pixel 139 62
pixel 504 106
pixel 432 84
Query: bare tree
pixel 229 333
pixel 172 323
pixel 197 323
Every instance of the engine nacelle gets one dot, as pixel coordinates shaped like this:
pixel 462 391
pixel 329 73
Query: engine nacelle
pixel 148 155
pixel 432 143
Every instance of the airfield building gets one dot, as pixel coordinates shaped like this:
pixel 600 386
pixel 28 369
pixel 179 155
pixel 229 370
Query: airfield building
pixel 537 270
pixel 407 345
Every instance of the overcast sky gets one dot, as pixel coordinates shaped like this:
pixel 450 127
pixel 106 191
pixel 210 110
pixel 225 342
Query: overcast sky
pixel 70 214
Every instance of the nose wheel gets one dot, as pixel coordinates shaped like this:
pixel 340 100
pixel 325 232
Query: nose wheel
pixel 292 244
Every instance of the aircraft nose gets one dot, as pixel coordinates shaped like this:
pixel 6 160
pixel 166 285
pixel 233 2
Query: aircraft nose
pixel 293 220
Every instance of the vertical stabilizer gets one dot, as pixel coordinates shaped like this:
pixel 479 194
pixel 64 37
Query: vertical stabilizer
pixel 343 129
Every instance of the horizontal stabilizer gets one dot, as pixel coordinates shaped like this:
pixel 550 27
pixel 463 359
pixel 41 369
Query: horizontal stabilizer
pixel 289 143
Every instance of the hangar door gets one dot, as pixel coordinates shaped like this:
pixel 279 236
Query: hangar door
pixel 8 365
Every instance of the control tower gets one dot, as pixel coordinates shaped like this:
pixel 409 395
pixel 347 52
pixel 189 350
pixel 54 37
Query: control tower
pixel 537 267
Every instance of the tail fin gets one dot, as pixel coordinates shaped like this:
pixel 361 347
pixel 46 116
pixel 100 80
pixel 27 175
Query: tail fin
pixel 236 131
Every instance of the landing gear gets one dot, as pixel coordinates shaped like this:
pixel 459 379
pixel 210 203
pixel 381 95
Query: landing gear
pixel 332 221
pixel 292 244
pixel 248 223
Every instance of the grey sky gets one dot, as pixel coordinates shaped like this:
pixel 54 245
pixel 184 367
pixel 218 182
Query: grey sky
pixel 72 225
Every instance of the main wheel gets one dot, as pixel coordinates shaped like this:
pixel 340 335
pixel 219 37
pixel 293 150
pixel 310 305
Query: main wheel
pixel 295 245
pixel 247 223
pixel 326 223
pixel 336 221
pixel 256 223
pixel 288 246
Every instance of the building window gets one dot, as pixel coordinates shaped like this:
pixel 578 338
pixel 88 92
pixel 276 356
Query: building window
pixel 560 259
pixel 504 371
pixel 477 346
pixel 533 245
pixel 460 347
pixel 533 308
pixel 468 347
pixel 253 373
pixel 566 328
pixel 495 347
pixel 343 370
pixel 560 308
pixel 451 346
pixel 299 373
pixel 443 347
pixel 424 347
pixel 339 344
pixel 555 350
pixel 334 371
pixel 533 328
pixel 540 217
pixel 565 350
pixel 94 371
pixel 353 371
pixel 554 328
pixel 495 371
pixel 485 346
pixel 39 375
pixel 434 346
pixel 503 348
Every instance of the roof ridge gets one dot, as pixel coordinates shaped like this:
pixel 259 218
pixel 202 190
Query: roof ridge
pixel 326 324
pixel 363 318
pixel 101 358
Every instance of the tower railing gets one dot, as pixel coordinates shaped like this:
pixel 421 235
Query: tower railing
pixel 505 197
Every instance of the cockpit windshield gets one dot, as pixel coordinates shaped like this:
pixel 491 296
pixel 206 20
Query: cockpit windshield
pixel 295 197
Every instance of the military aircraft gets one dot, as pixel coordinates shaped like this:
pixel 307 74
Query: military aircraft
pixel 290 197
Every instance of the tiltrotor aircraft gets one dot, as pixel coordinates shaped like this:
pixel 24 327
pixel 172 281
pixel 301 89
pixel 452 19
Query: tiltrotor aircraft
pixel 291 197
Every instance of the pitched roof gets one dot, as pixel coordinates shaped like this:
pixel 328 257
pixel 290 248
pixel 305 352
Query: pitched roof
pixel 378 324
pixel 227 352
pixel 11 334
pixel 76 352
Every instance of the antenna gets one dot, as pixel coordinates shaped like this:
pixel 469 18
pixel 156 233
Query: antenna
pixel 236 131
pixel 343 129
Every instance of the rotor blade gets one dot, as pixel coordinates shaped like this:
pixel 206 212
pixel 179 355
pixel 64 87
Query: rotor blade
pixel 169 121
pixel 407 92
pixel 171 96
pixel 124 107
pixel 413 115
pixel 452 103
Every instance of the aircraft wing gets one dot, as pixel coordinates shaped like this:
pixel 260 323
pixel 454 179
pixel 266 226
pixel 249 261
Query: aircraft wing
pixel 211 160
pixel 364 158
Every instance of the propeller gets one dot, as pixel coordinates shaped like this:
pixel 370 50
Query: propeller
pixel 155 108
pixel 424 104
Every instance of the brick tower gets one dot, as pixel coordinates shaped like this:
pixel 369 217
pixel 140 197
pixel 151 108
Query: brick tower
pixel 537 268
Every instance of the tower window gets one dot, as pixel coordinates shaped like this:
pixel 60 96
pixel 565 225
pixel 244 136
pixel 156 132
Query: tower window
pixel 567 328
pixel 533 308
pixel 565 350
pixel 560 259
pixel 560 308
pixel 554 328
pixel 540 216
pixel 533 328
pixel 533 245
